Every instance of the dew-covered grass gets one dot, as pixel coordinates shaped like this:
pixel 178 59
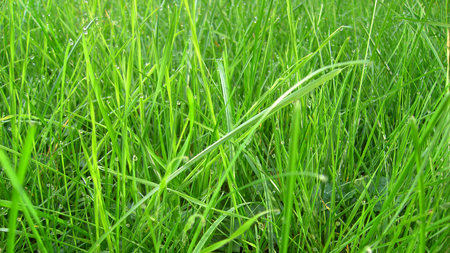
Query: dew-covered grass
pixel 224 126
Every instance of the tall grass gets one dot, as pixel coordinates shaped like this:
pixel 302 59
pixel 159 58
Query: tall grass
pixel 224 126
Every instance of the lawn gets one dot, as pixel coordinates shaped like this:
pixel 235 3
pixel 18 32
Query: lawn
pixel 225 126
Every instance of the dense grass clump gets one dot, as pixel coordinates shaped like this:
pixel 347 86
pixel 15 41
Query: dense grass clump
pixel 224 126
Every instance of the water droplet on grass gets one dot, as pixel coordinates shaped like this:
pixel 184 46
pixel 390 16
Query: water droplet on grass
pixel 323 178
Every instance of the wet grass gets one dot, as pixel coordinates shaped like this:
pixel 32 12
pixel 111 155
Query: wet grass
pixel 224 126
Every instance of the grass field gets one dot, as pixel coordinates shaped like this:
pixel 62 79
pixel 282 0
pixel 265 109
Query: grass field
pixel 225 126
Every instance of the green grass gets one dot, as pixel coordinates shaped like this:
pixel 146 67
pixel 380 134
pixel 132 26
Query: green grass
pixel 224 126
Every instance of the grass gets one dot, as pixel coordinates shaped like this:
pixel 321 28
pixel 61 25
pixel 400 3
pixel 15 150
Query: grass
pixel 224 126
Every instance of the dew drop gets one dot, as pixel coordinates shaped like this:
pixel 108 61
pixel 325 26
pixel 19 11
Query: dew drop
pixel 261 226
pixel 323 178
